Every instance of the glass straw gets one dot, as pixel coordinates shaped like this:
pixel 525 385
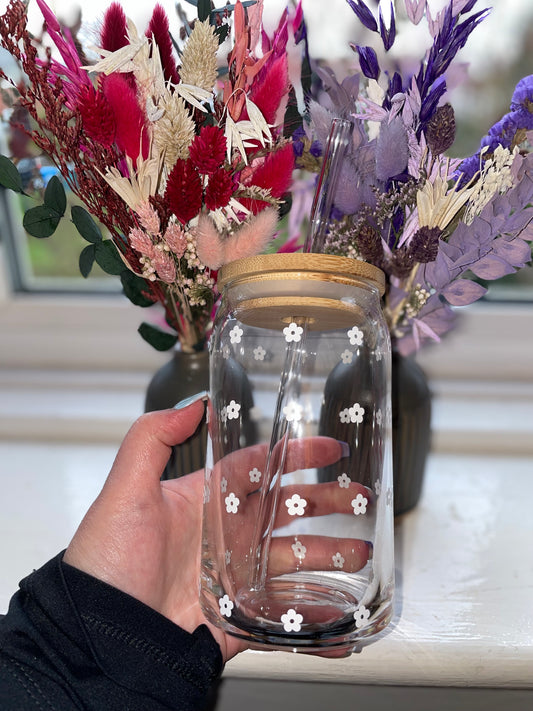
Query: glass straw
pixel 289 387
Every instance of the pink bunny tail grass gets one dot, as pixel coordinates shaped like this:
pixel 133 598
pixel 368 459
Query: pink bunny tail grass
pixel 209 244
pixel 113 34
pixel 252 238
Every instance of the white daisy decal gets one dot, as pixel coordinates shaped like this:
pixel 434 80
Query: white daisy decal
pixel 293 332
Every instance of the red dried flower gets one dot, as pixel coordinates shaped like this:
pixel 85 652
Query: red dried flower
pixel 114 33
pixel 208 149
pixel 184 191
pixel 129 118
pixel 219 189
pixel 159 30
pixel 96 115
pixel 274 172
pixel 271 87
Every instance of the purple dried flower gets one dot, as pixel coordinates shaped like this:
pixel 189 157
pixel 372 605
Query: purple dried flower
pixel 392 150
pixel 388 35
pixel 440 129
pixel 368 61
pixel 523 94
pixel 415 10
pixel 364 14
pixel 424 246
pixel 402 262
pixel 370 245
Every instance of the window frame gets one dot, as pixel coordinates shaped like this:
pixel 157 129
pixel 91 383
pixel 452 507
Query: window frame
pixel 492 341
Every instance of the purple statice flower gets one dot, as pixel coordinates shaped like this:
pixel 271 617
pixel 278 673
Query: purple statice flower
pixel 298 136
pixel 523 94
pixel 504 131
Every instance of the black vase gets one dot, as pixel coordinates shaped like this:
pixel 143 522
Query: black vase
pixel 411 425
pixel 187 374
pixel 184 375
pixel 411 430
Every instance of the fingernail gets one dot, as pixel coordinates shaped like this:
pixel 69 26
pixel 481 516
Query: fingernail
pixel 345 449
pixel 182 404
pixel 370 549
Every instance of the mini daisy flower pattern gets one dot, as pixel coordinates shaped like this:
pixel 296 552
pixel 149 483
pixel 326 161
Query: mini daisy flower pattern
pixel 338 560
pixel 226 351
pixel 227 557
pixel 293 412
pixel 344 480
pixel 379 417
pixel 299 549
pixel 235 334
pixel 226 605
pixel 259 353
pixel 255 475
pixel 232 503
pixel 293 332
pixel 292 621
pixel 353 414
pixel 347 357
pixel 359 504
pixel 233 410
pixel 361 616
pixel 356 336
pixel 296 505
pixel 223 484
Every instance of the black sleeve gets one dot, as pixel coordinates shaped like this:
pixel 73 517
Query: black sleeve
pixel 70 641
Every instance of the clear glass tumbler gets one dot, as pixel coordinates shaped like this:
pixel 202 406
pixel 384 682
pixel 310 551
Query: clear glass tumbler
pixel 298 525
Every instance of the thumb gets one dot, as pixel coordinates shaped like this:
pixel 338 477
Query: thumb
pixel 147 446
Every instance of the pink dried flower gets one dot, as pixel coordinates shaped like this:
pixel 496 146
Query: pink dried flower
pixel 251 238
pixel 164 266
pixel 176 239
pixel 141 242
pixel 149 218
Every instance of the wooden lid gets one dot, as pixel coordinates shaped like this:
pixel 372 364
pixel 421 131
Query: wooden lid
pixel 326 267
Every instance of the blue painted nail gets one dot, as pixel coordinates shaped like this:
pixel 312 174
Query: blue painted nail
pixel 345 449
pixel 182 404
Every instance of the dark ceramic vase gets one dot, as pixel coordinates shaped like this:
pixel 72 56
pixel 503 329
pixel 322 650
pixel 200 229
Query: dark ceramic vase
pixel 411 430
pixel 187 374
pixel 184 375
pixel 411 425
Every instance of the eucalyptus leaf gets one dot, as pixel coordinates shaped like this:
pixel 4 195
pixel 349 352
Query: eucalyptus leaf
pixel 156 337
pixel 41 221
pixel 87 258
pixel 135 288
pixel 85 224
pixel 108 258
pixel 204 9
pixel 9 176
pixel 222 32
pixel 55 197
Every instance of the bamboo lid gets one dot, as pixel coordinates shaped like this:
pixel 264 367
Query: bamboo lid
pixel 303 266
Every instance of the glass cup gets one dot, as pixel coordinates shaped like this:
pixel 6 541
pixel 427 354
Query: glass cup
pixel 297 548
